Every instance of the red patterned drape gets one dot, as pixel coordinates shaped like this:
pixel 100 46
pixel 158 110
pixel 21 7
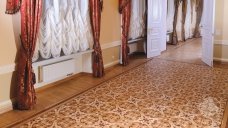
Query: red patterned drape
pixel 30 20
pixel 175 38
pixel 95 16
pixel 125 10
pixel 199 11
pixel 12 6
pixel 184 14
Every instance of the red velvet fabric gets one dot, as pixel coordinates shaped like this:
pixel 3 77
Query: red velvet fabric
pixel 125 10
pixel 30 19
pixel 184 14
pixel 199 13
pixel 174 37
pixel 95 16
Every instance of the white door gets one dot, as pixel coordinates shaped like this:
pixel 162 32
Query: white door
pixel 207 32
pixel 156 29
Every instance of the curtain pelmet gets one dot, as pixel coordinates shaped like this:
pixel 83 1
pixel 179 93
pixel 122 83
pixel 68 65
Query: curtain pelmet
pixel 125 10
pixel 97 60
pixel 12 6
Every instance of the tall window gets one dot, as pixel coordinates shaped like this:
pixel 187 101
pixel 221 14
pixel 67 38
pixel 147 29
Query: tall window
pixel 138 19
pixel 65 29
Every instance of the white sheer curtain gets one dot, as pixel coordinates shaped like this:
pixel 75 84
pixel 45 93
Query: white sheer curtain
pixel 86 37
pixel 56 29
pixel 77 23
pixel 193 18
pixel 137 25
pixel 66 10
pixel 65 27
pixel 170 15
pixel 188 21
pixel 43 45
pixel 179 20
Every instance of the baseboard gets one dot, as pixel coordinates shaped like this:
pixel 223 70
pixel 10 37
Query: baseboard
pixel 6 106
pixel 221 59
pixel 110 45
pixel 111 64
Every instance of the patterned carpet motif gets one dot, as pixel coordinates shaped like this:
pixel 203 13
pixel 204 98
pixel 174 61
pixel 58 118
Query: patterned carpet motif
pixel 158 94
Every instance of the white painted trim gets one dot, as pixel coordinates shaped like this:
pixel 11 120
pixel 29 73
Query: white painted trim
pixel 11 67
pixel 220 59
pixel 111 45
pixel 221 42
pixel 59 59
pixel 6 106
pixel 112 64
pixel 7 69
pixel 38 85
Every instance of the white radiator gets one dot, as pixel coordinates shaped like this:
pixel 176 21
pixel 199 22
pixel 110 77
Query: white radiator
pixel 57 71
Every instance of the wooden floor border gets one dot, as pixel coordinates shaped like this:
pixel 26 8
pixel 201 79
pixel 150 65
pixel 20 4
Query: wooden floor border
pixel 225 117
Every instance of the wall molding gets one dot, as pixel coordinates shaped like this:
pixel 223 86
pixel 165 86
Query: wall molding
pixel 6 106
pixel 221 42
pixel 11 67
pixel 7 69
pixel 224 43
pixel 111 45
pixel 220 59
pixel 112 64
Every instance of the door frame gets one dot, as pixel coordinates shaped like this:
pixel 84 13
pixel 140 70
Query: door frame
pixel 156 30
pixel 210 62
pixel 213 28
pixel 145 38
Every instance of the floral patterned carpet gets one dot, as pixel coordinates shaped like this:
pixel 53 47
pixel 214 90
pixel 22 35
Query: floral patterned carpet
pixel 158 94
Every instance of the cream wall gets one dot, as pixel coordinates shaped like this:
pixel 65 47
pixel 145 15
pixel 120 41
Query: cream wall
pixel 7 39
pixel 9 27
pixel 110 22
pixel 221 30
pixel 110 30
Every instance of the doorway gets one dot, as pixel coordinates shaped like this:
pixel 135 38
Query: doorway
pixel 157 38
pixel 137 34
